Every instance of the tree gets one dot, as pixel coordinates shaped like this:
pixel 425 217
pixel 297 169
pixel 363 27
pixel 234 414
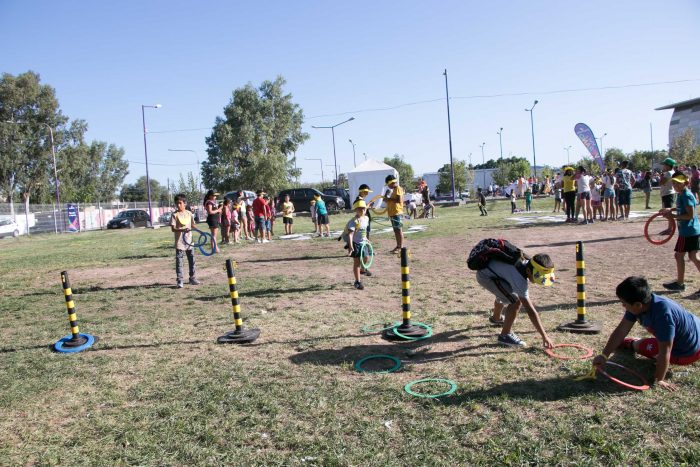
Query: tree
pixel 445 174
pixel 613 157
pixel 402 167
pixel 684 150
pixel 189 188
pixel 511 169
pixel 252 145
pixel 139 192
pixel 92 172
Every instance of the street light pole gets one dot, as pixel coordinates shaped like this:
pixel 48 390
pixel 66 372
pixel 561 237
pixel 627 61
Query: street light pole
pixel 335 159
pixel 532 128
pixel 449 135
pixel 321 161
pixel 483 163
pixel 567 154
pixel 500 140
pixel 602 153
pixel 199 168
pixel 354 163
pixel 145 152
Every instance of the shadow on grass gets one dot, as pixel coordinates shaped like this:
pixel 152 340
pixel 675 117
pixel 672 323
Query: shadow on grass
pixel 574 242
pixel 98 288
pixel 142 256
pixel 102 347
pixel 33 347
pixel 572 305
pixel 267 292
pixel 409 351
pixel 299 258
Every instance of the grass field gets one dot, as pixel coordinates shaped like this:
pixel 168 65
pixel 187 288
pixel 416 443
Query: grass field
pixel 157 389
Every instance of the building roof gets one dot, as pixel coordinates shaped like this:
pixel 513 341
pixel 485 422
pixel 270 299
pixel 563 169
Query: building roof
pixel 681 105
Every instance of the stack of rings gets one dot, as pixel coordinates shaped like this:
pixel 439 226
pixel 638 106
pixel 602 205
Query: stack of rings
pixel 203 239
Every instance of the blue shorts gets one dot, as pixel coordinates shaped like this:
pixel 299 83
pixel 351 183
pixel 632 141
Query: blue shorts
pixel 396 222
pixel 609 193
pixel 260 224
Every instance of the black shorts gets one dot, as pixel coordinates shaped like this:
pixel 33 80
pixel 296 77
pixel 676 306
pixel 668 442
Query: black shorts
pixel 356 248
pixel 213 221
pixel 667 201
pixel 686 244
pixel 323 219
pixel 287 220
pixel 584 195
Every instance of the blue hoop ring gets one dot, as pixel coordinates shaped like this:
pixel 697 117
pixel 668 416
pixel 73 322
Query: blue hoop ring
pixel 59 346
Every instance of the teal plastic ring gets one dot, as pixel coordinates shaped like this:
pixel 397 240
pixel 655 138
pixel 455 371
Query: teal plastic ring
pixel 369 329
pixel 452 389
pixel 363 249
pixel 397 363
pixel 409 338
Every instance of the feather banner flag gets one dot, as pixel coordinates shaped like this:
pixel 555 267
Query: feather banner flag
pixel 585 134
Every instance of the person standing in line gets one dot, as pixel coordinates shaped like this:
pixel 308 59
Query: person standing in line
pixel 213 217
pixel 243 208
pixel 668 195
pixel 226 222
pixel 625 183
pixel 322 215
pixel 394 209
pixel 569 189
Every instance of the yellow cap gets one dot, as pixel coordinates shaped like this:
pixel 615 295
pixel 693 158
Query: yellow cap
pixel 360 203
pixel 680 178
pixel 542 275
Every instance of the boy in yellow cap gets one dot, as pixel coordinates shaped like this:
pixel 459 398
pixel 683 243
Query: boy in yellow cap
pixel 394 208
pixel 357 230
pixel 688 230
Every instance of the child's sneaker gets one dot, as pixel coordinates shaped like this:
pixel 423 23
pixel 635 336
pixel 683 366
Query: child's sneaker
pixel 674 286
pixel 180 284
pixel 511 340
pixel 366 273
pixel 194 281
pixel 359 286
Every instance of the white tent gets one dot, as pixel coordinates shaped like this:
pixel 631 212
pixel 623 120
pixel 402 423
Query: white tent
pixel 372 173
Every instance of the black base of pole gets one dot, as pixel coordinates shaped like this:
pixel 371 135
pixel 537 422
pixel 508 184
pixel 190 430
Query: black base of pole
pixel 75 342
pixel 580 327
pixel 244 336
pixel 409 331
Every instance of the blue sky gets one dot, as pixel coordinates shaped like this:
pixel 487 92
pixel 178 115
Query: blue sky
pixel 343 59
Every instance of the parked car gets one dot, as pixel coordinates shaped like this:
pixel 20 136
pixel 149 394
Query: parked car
pixel 165 218
pixel 340 192
pixel 249 196
pixel 8 228
pixel 129 219
pixel 301 197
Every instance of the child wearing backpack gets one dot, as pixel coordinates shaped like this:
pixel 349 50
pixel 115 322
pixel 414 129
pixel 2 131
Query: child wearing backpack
pixel 504 270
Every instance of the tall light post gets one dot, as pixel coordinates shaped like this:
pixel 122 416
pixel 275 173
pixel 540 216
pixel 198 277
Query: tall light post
pixel 532 128
pixel 500 140
pixel 483 163
pixel 319 160
pixel 55 174
pixel 335 159
pixel 365 154
pixel 567 149
pixel 145 151
pixel 449 135
pixel 354 163
pixel 199 168
pixel 602 153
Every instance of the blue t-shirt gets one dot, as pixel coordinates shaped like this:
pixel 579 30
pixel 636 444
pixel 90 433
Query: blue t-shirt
pixel 668 321
pixel 321 207
pixel 687 228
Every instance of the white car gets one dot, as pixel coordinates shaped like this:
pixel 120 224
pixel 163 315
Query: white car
pixel 8 228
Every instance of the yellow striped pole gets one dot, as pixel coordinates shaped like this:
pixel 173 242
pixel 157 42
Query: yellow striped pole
pixel 580 284
pixel 405 288
pixel 239 335
pixel 581 325
pixel 76 338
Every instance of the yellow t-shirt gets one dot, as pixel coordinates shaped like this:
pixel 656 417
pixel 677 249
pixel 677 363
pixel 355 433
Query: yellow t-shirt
pixel 287 209
pixel 568 183
pixel 183 240
pixel 394 205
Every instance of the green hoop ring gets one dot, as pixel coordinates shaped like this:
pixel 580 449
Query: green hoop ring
pixel 368 329
pixel 409 338
pixel 452 389
pixel 397 363
pixel 366 266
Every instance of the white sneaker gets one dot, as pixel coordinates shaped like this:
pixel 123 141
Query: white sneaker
pixel 266 241
pixel 257 240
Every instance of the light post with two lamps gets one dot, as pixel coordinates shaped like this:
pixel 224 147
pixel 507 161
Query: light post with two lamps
pixel 145 151
pixel 532 127
pixel 332 128
pixel 602 153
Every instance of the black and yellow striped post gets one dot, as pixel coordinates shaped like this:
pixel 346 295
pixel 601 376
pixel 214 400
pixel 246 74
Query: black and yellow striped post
pixel 239 335
pixel 406 329
pixel 76 341
pixel 581 325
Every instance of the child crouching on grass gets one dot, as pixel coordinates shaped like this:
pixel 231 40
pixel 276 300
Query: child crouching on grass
pixel 676 331
pixel 357 230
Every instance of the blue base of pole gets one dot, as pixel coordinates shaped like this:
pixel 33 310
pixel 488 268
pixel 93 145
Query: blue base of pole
pixel 62 348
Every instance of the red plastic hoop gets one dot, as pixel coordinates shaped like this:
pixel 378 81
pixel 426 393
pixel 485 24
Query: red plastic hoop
pixel 550 352
pixel 643 387
pixel 671 228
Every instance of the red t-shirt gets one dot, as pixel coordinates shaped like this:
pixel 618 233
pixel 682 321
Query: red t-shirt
pixel 259 206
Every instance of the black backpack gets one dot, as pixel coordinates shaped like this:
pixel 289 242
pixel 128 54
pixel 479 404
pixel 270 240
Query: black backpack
pixel 493 248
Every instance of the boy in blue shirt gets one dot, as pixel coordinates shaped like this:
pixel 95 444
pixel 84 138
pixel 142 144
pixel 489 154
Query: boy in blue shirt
pixel 688 230
pixel 676 331
pixel 322 216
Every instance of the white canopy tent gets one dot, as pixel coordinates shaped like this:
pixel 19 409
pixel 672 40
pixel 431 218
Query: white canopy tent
pixel 372 173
